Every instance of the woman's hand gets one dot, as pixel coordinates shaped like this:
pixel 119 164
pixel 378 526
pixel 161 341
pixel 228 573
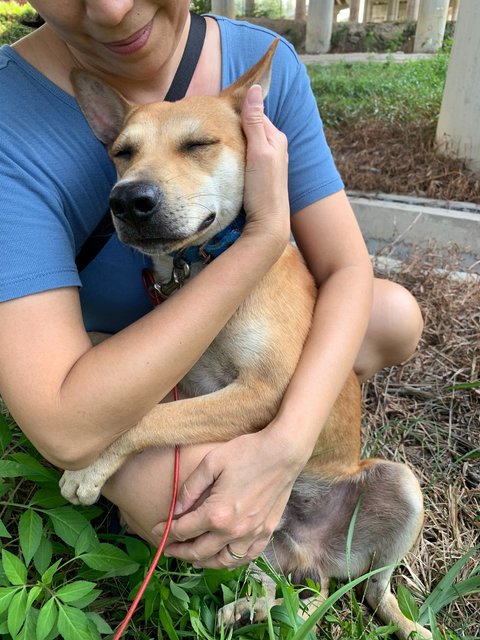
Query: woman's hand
pixel 234 501
pixel 266 172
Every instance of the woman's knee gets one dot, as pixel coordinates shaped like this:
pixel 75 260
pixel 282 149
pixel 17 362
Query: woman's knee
pixel 394 330
pixel 142 487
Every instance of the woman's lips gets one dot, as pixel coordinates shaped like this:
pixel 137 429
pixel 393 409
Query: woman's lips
pixel 133 43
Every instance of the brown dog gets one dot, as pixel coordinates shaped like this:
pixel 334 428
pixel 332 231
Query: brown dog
pixel 175 163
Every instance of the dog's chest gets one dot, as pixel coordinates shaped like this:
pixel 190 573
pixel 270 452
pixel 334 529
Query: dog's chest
pixel 239 345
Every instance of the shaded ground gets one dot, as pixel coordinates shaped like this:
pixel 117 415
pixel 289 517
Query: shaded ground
pixel 400 160
pixel 420 413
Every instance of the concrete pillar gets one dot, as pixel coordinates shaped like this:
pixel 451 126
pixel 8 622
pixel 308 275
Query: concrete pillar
pixel 412 10
pixel 249 7
pixel 355 10
pixel 224 8
pixel 319 26
pixel 368 10
pixel 300 10
pixel 392 10
pixel 458 131
pixel 432 19
pixel 454 4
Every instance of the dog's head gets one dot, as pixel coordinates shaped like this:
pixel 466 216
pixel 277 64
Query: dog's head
pixel 180 165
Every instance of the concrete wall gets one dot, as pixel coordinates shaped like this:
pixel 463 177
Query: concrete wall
pixel 394 225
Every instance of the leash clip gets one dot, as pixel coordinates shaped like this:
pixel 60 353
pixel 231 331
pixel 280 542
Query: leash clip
pixel 180 273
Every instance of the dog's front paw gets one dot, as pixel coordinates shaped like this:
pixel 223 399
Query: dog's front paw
pixel 82 486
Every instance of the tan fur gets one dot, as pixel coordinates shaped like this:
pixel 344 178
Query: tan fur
pixel 184 154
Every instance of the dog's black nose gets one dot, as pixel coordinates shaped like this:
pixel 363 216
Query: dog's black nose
pixel 135 201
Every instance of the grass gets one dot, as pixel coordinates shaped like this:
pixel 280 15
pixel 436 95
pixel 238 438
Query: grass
pixel 11 27
pixel 395 93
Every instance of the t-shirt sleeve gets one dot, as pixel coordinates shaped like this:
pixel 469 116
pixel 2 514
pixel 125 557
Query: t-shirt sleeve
pixel 293 109
pixel 37 247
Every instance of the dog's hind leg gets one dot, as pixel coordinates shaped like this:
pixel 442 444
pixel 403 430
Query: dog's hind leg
pixel 247 610
pixel 392 494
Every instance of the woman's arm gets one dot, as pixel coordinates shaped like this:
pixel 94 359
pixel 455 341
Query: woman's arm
pixel 72 399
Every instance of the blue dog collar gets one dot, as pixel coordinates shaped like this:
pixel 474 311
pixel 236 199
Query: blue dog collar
pixel 216 245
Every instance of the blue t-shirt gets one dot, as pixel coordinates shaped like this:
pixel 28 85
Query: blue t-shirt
pixel 55 178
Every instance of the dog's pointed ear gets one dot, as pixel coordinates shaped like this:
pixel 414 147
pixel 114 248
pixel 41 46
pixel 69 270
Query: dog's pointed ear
pixel 103 107
pixel 260 74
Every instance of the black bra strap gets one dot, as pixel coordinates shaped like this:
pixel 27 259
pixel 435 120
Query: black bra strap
pixel 193 48
pixel 188 63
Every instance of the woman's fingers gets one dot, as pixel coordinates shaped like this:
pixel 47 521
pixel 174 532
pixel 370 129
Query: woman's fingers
pixel 238 514
pixel 266 172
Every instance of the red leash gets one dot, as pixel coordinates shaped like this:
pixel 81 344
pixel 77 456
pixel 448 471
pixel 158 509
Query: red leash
pixel 156 299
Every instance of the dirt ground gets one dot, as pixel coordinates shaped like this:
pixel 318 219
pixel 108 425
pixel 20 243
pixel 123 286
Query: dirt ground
pixel 426 412
pixel 378 158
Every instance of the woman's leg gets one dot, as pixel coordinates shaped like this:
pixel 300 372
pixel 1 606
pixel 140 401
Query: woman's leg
pixel 142 488
pixel 394 330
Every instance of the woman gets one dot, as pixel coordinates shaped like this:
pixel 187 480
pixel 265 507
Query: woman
pixel 71 399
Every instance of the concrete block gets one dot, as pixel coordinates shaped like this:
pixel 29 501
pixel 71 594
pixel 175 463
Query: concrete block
pixel 394 227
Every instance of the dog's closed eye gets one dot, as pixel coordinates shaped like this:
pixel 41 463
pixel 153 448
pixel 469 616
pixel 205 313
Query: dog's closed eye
pixel 123 152
pixel 197 144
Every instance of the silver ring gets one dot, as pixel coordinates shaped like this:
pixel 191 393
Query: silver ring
pixel 235 556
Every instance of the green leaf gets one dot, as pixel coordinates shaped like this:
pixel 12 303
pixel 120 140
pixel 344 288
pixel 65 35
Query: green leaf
pixel 75 591
pixel 43 556
pixel 167 622
pixel 102 626
pixel 47 498
pixel 28 631
pixel 87 541
pixel 5 434
pixel 30 528
pixel 14 568
pixel 179 593
pixel 138 550
pixel 47 577
pixel 17 612
pixel 3 531
pixel 106 557
pixel 84 602
pixel 6 595
pixel 46 619
pixel 10 469
pixel 68 524
pixel 72 623
pixel 34 470
pixel 407 603
pixel 33 594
